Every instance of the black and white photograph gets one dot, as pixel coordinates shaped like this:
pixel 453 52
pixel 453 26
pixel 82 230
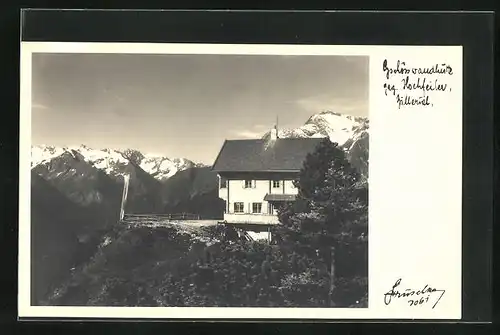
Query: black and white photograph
pixel 214 166
pixel 199 180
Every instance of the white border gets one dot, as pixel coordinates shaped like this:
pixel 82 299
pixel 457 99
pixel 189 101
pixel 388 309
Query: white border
pixel 379 240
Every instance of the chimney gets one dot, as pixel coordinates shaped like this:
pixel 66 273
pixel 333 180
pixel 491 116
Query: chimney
pixel 274 133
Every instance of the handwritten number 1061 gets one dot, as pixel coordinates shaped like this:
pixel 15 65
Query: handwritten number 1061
pixel 420 301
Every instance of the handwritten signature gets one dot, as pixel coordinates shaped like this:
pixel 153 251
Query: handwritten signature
pixel 413 297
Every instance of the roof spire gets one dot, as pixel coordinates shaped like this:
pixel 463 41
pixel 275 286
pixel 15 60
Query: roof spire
pixel 276 126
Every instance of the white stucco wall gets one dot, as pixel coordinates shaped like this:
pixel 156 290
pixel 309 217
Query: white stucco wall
pixel 289 188
pixel 255 194
pixel 238 193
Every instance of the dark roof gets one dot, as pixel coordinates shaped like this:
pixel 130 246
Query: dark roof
pixel 284 154
pixel 280 197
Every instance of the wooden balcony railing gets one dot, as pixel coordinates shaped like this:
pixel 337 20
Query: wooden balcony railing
pixel 265 219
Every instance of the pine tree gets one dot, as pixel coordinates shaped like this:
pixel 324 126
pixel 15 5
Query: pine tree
pixel 316 165
pixel 312 177
pixel 330 212
pixel 338 201
pixel 331 194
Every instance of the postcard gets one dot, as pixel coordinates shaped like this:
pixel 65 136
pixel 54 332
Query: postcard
pixel 240 181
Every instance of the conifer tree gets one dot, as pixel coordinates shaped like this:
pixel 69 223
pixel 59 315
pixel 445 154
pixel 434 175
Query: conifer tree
pixel 330 211
pixel 331 194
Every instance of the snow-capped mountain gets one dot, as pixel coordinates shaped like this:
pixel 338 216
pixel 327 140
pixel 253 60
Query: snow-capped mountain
pixel 338 127
pixel 350 132
pixel 42 154
pixel 162 167
pixel 114 162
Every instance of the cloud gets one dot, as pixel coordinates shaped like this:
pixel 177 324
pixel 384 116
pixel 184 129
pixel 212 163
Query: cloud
pixel 320 103
pixel 38 106
pixel 255 131
pixel 248 134
pixel 260 126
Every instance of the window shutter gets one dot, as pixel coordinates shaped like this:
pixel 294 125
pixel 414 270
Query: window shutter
pixel 254 183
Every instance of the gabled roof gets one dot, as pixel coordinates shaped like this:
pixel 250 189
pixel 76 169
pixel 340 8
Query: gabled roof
pixel 283 154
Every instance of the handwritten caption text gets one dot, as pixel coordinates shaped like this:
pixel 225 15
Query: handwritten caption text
pixel 415 86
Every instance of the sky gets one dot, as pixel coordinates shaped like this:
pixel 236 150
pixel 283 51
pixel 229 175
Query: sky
pixel 186 105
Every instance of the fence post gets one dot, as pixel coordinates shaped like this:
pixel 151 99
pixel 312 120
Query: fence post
pixel 126 179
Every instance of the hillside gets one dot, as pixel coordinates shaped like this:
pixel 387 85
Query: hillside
pixel 193 191
pixel 83 184
pixel 127 266
pixel 164 267
pixel 62 236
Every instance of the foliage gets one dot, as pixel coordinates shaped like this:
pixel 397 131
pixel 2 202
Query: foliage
pixel 330 216
pixel 162 267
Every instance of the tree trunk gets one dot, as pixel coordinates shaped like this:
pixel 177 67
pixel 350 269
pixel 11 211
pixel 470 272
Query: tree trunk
pixel 332 276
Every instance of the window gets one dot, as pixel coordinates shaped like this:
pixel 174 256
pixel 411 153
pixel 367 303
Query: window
pixel 225 206
pixel 276 183
pixel 257 207
pixel 238 207
pixel 248 183
pixel 223 182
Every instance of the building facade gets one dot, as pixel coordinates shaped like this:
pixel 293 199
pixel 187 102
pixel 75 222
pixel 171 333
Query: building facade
pixel 253 197
pixel 256 177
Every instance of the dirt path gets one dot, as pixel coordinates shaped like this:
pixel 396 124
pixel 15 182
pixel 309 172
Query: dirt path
pixel 154 221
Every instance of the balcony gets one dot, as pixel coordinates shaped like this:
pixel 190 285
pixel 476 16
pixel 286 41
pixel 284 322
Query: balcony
pixel 244 218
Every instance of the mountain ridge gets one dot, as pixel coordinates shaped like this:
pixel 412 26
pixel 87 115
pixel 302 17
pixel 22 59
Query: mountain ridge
pixel 339 128
pixel 350 132
pixel 94 177
pixel 112 161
